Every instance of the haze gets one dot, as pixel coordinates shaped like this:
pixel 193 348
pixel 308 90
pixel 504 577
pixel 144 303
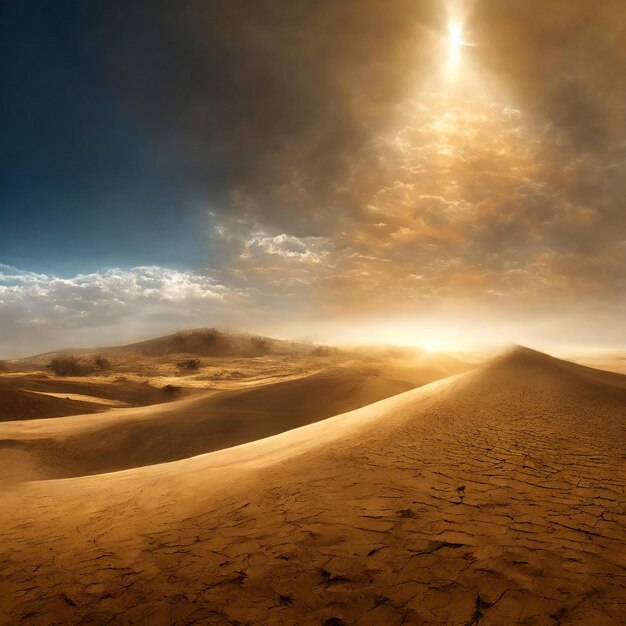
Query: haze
pixel 445 173
pixel 312 312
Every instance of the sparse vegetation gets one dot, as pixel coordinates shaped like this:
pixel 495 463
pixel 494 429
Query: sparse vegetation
pixel 323 351
pixel 225 374
pixel 260 346
pixel 101 362
pixel 190 364
pixel 70 366
pixel 210 342
pixel 171 389
pixel 210 336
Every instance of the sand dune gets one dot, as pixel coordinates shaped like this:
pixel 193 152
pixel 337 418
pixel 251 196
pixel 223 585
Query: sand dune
pixel 612 360
pixel 80 397
pixel 27 397
pixel 80 445
pixel 491 497
pixel 17 403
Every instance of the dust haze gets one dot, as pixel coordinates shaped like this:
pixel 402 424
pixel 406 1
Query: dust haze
pixel 312 312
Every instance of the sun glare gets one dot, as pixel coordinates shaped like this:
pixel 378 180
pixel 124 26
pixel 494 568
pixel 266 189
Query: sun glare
pixel 431 345
pixel 455 41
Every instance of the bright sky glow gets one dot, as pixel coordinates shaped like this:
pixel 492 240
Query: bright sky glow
pixel 455 41
pixel 431 345
pixel 476 198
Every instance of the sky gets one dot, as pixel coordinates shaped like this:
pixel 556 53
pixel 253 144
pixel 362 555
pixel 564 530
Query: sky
pixel 423 172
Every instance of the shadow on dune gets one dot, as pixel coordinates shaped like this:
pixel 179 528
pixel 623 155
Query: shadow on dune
pixel 492 496
pixel 155 434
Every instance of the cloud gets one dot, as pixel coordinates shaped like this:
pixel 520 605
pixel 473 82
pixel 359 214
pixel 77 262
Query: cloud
pixel 38 311
pixel 357 183
pixel 463 200
pixel 466 206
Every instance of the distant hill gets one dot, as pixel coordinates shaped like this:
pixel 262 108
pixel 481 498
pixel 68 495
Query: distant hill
pixel 209 342
pixel 214 342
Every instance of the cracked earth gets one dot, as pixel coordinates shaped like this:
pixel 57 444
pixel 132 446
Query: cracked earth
pixel 493 497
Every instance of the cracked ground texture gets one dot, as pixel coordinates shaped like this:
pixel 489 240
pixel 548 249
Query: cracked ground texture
pixel 494 497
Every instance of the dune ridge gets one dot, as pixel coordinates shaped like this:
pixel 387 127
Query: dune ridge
pixel 494 496
pixel 116 440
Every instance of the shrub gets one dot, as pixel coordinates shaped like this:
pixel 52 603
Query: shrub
pixel 101 362
pixel 322 351
pixel 209 336
pixel 260 346
pixel 70 366
pixel 190 364
pixel 171 389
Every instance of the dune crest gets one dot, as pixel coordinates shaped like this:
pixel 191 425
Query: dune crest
pixel 135 437
pixel 494 492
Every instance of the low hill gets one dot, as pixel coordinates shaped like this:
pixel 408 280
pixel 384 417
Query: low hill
pixel 207 342
pixel 214 342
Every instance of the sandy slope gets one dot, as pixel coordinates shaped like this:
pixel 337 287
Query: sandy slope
pixel 81 397
pixel 30 396
pixel 614 361
pixel 122 439
pixel 493 497
pixel 17 403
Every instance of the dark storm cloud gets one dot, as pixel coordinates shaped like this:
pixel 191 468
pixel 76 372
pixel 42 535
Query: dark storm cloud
pixel 262 108
pixel 338 176
pixel 302 88
pixel 286 92
pixel 564 59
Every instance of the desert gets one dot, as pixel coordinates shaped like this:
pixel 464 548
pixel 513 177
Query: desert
pixel 494 495
pixel 313 313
